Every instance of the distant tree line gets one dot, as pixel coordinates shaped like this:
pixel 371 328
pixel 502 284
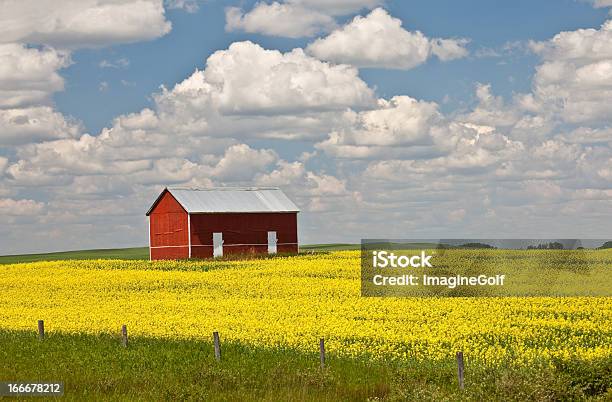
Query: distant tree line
pixel 475 245
pixel 547 246
pixel 542 246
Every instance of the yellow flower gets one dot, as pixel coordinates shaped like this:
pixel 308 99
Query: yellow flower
pixel 292 302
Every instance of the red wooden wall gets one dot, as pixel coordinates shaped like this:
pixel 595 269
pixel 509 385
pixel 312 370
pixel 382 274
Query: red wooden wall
pixel 169 238
pixel 243 233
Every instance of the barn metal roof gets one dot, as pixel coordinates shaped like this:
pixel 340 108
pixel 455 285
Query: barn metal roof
pixel 232 199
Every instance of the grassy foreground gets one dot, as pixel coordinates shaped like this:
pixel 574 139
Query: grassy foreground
pixel 98 367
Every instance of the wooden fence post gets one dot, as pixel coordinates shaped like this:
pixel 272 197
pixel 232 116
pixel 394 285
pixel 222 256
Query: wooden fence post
pixel 460 369
pixel 41 330
pixel 322 352
pixel 124 336
pixel 217 345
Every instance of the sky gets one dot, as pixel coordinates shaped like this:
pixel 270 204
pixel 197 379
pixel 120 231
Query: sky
pixel 380 119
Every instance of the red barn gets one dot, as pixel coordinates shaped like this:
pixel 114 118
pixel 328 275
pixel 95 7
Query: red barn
pixel 202 223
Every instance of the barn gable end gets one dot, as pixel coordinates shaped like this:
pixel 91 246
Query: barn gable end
pixel 168 229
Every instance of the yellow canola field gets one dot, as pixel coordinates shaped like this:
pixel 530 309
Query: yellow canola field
pixel 292 302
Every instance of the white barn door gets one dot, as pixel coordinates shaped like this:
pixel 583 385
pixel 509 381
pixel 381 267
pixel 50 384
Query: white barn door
pixel 217 244
pixel 271 242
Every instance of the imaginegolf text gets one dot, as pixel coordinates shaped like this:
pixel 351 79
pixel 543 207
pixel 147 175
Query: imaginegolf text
pixel 389 260
pixel 450 282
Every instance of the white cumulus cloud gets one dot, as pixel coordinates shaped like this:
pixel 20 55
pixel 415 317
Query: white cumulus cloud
pixel 29 76
pixel 279 19
pixel 22 126
pixel 379 40
pixel 293 18
pixel 81 23
pixel 241 162
pixel 575 78
pixel 246 78
pixel 400 126
pixel 449 49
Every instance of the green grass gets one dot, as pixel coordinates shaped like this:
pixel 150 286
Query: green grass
pixel 135 253
pixel 98 367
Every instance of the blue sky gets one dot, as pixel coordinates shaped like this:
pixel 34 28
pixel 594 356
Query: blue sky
pixel 432 119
